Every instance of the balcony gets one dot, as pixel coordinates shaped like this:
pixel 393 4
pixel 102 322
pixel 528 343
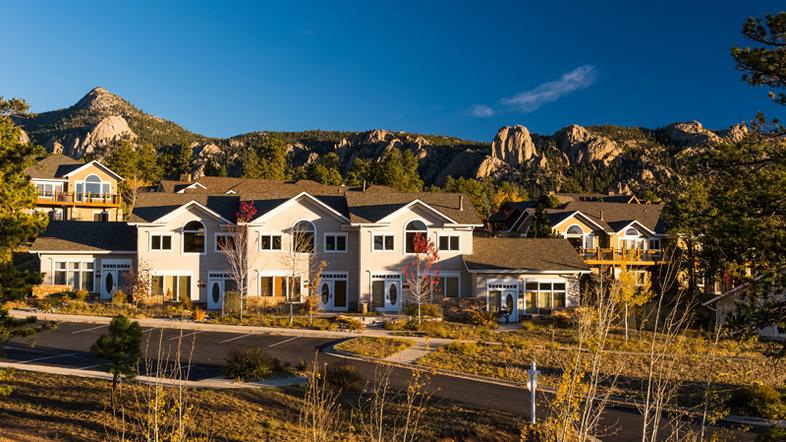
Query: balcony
pixel 77 199
pixel 612 256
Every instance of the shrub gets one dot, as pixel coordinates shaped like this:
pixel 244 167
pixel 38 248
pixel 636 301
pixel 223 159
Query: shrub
pixel 528 325
pixel 759 401
pixel 250 364
pixel 185 301
pixel 350 323
pixel 395 325
pixel 432 310
pixel 774 434
pixel 119 297
pixel 199 315
pixel 463 348
pixel 81 295
pixel 483 319
pixel 343 376
pixel 231 302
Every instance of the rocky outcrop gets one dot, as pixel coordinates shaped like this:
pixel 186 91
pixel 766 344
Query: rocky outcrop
pixel 691 133
pixel 513 145
pixel 108 129
pixel 100 100
pixel 23 137
pixel 735 133
pixel 582 147
pixel 204 156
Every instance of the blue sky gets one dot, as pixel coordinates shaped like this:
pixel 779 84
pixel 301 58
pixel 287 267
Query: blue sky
pixel 455 68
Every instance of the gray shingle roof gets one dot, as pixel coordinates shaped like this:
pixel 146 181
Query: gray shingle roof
pixel 618 215
pixel 86 236
pixel 53 166
pixel 375 203
pixel 524 254
pixel 153 205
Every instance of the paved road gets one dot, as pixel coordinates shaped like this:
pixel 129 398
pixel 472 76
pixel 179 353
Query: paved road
pixel 68 346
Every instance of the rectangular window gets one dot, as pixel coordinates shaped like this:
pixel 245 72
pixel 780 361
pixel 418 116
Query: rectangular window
pixel 160 242
pixel 225 241
pixel 270 242
pixel 378 294
pixel 172 287
pixel 449 242
pixel 335 243
pixel 293 286
pixel 78 274
pixel 654 244
pixel 641 278
pixel 271 286
pixel 384 242
pixel 451 286
pixel 544 296
pixel 102 216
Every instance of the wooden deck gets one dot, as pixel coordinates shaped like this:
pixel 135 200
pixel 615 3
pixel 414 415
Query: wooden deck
pixel 77 200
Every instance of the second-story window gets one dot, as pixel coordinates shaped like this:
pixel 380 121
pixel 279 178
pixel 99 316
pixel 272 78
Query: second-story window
pixel 415 229
pixel 303 237
pixel 335 242
pixel 449 242
pixel 160 242
pixel 384 242
pixel 225 241
pixel 270 242
pixel 575 235
pixel 194 237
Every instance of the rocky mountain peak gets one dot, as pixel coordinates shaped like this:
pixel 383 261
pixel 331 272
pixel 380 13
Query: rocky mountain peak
pixel 101 100
pixel 513 145
pixel 689 133
pixel 581 146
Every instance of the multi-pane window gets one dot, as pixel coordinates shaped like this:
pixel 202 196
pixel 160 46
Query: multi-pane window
pixel 48 190
pixel 102 216
pixel 272 286
pixel 641 278
pixel 160 242
pixel 270 242
pixel 415 235
pixel 171 287
pixel 449 242
pixel 654 244
pixel 335 243
pixel 77 274
pixel 303 237
pixel 545 296
pixel 384 242
pixel 225 241
pixel 194 237
pixel 447 287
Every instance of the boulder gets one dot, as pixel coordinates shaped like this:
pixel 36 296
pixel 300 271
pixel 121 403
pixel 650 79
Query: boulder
pixel 23 137
pixel 108 129
pixel 512 145
pixel 582 147
pixel 690 133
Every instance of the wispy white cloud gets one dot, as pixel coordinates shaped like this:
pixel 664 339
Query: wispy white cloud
pixel 529 100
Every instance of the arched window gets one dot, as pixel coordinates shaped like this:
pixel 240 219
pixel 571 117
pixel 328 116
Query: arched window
pixel 194 237
pixel 303 237
pixel 576 236
pixel 632 232
pixel 415 230
pixel 94 185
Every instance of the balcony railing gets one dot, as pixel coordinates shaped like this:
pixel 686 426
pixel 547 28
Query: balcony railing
pixel 78 199
pixel 621 255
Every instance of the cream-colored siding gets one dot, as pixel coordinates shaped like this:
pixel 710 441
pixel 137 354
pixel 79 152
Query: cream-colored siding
pixel 176 261
pixel 480 283
pixel 47 264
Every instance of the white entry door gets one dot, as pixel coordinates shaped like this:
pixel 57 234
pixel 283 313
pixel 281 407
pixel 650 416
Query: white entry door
pixel 393 296
pixel 326 295
pixel 333 292
pixel 509 303
pixel 215 293
pixel 113 275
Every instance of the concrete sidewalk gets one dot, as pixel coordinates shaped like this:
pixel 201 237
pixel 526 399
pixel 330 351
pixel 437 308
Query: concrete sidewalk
pixel 214 383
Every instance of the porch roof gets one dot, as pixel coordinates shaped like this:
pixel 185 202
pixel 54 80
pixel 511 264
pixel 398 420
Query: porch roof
pixel 86 236
pixel 524 254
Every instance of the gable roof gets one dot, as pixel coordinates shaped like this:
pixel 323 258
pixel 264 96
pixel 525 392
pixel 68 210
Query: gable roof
pixel 151 206
pixel 523 254
pixel 96 164
pixel 87 236
pixel 375 204
pixel 53 166
pixel 618 215
pixel 172 186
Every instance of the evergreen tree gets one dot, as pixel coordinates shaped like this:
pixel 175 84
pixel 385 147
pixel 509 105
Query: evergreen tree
pixel 541 226
pixel 150 168
pixel 764 65
pixel 273 159
pixel 400 171
pixel 122 348
pixel 362 171
pixel 18 223
pixel 325 170
pixel 251 165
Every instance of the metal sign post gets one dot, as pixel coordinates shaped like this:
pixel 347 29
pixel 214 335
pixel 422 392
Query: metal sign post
pixel 533 385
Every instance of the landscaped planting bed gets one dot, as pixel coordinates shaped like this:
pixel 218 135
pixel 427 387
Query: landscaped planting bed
pixel 375 347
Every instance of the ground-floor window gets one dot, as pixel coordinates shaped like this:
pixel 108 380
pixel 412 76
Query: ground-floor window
pixel 272 286
pixel 447 287
pixel 171 287
pixel 77 274
pixel 544 296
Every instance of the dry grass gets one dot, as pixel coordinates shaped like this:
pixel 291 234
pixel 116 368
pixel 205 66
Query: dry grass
pixel 375 347
pixel 46 407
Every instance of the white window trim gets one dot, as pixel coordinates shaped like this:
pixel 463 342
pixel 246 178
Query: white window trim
pixel 259 240
pixel 183 239
pixel 100 183
pixel 636 274
pixel 550 280
pixel 194 283
pixel 404 245
pixel 456 275
pixel 150 248
pixel 449 235
pixel 68 261
pixel 286 275
pixel 383 234
pixel 324 242
pixel 505 281
pixel 215 240
pixel 292 238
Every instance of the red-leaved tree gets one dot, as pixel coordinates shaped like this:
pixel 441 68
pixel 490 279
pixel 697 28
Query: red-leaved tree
pixel 422 273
